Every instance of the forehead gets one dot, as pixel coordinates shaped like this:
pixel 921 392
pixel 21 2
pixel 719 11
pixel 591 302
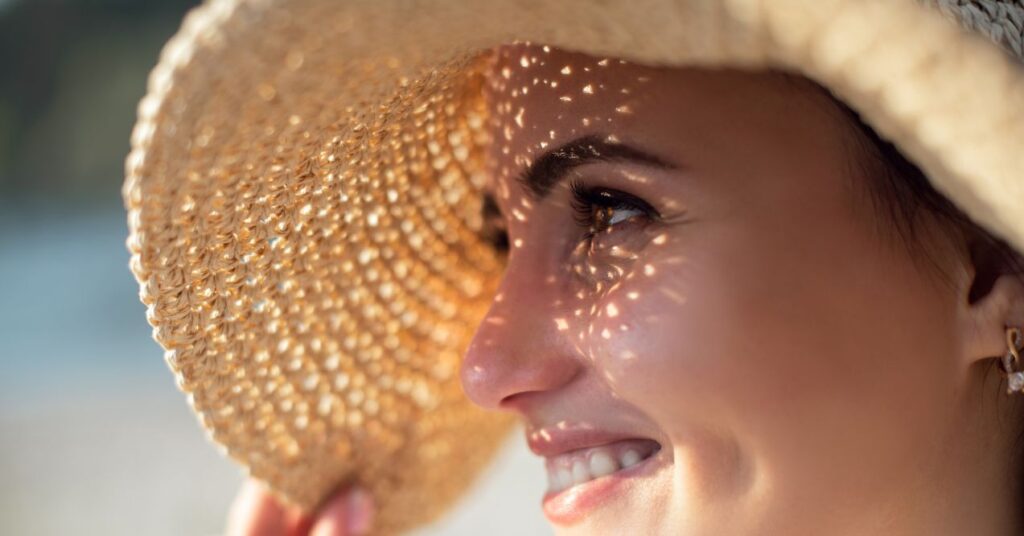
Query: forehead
pixel 583 92
pixel 542 97
pixel 737 133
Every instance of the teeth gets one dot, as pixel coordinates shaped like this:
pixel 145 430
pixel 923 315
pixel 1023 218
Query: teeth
pixel 580 466
pixel 630 458
pixel 562 479
pixel 602 463
pixel 580 473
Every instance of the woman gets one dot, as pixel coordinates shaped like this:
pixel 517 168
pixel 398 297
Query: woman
pixel 715 294
pixel 728 306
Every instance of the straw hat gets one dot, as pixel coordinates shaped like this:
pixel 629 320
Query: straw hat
pixel 303 197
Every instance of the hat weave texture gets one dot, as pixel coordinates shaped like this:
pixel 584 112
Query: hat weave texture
pixel 304 201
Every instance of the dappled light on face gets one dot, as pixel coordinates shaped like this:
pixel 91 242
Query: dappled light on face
pixel 620 290
pixel 569 294
pixel 673 295
pixel 636 177
pixel 531 80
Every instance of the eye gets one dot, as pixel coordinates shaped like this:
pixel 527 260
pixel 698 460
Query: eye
pixel 600 209
pixel 494 231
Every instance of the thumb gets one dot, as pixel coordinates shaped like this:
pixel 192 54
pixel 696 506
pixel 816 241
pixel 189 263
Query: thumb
pixel 348 514
pixel 255 512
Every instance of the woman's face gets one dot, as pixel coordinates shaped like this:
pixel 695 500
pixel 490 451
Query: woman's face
pixel 694 303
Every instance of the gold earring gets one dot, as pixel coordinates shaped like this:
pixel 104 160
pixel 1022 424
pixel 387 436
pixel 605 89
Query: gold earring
pixel 1014 378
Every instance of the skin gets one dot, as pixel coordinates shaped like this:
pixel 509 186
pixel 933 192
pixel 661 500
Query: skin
pixel 802 374
pixel 256 512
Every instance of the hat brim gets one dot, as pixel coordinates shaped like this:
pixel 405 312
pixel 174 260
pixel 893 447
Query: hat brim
pixel 302 195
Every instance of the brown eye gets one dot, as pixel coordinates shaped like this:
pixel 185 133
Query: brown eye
pixel 494 231
pixel 605 217
pixel 499 240
pixel 599 209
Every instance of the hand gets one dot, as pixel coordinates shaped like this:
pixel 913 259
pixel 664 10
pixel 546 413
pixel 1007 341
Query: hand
pixel 255 512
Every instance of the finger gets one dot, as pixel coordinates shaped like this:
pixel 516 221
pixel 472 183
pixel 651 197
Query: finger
pixel 348 514
pixel 255 512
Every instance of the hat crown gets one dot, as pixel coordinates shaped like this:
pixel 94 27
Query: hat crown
pixel 1001 21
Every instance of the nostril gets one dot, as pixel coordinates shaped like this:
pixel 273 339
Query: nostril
pixel 516 349
pixel 510 401
pixel 501 381
pixel 547 381
pixel 518 401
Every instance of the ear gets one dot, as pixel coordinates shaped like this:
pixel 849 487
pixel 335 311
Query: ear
pixel 994 300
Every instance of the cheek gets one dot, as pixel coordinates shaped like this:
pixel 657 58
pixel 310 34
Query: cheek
pixel 666 335
pixel 700 334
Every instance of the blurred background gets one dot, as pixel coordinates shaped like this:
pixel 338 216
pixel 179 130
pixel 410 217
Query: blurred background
pixel 94 436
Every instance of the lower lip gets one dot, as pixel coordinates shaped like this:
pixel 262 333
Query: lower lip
pixel 571 505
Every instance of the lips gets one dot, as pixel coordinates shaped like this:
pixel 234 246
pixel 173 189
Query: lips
pixel 586 466
pixel 583 465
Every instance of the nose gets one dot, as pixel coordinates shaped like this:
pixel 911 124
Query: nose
pixel 517 348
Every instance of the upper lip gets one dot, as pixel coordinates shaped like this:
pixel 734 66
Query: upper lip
pixel 561 438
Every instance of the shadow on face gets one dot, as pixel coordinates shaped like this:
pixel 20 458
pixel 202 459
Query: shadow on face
pixel 686 268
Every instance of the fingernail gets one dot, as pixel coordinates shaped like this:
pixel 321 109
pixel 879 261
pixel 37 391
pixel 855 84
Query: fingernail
pixel 360 512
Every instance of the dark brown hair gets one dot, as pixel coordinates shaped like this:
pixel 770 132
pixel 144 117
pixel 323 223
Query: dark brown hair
pixel 904 201
pixel 905 204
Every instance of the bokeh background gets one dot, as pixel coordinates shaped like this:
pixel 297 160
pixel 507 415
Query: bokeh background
pixel 94 436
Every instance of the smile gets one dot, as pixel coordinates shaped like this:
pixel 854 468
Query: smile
pixel 583 465
pixel 588 467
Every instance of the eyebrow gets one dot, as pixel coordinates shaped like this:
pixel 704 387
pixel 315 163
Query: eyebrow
pixel 551 167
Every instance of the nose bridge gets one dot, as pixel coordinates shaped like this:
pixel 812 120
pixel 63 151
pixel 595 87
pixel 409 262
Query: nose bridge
pixel 516 348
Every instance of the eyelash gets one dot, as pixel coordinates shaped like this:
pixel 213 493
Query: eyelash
pixel 585 199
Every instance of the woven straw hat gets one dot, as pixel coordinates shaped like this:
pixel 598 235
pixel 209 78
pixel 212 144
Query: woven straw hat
pixel 303 197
